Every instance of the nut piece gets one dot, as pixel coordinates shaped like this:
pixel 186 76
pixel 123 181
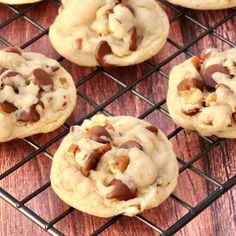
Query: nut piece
pixel 73 149
pixel 7 107
pixel 121 191
pixel 99 134
pixel 42 78
pixel 13 50
pixel 132 42
pixel 212 97
pixel 153 129
pixel 110 127
pixel 63 81
pixel 196 62
pixel 120 163
pixel 103 49
pixel 131 144
pixel 31 116
pixel 187 84
pixel 93 159
pixel 209 71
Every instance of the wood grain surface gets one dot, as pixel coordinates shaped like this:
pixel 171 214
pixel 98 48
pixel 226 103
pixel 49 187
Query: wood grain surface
pixel 219 163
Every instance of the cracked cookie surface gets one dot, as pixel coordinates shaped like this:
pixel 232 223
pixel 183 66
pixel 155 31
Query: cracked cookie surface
pixel 109 32
pixel 202 93
pixel 36 94
pixel 114 165
pixel 206 4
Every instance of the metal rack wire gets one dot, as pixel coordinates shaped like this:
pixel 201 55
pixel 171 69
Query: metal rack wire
pixel 192 212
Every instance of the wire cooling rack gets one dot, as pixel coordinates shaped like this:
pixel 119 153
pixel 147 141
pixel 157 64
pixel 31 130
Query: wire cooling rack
pixel 191 211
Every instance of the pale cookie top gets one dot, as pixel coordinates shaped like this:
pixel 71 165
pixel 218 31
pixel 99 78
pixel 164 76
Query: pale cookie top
pixel 16 2
pixel 36 94
pixel 109 32
pixel 202 93
pixel 205 4
pixel 114 165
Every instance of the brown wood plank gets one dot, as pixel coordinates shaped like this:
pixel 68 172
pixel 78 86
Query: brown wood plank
pixel 219 163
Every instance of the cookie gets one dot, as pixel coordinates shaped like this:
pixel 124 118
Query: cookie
pixel 109 32
pixel 36 94
pixel 202 93
pixel 205 4
pixel 114 165
pixel 17 2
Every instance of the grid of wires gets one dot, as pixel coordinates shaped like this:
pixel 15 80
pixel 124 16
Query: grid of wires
pixel 192 212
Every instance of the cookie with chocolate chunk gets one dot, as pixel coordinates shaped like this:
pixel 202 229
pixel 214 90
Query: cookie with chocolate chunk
pixel 202 93
pixel 205 4
pixel 37 94
pixel 114 165
pixel 18 2
pixel 109 32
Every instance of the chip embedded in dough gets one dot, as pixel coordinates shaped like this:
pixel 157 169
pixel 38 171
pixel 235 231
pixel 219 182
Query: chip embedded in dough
pixel 18 2
pixel 205 4
pixel 202 93
pixel 109 32
pixel 37 94
pixel 114 165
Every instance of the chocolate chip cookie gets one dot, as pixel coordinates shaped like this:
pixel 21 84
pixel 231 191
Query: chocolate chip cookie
pixel 36 94
pixel 202 93
pixel 114 165
pixel 17 2
pixel 109 32
pixel 205 4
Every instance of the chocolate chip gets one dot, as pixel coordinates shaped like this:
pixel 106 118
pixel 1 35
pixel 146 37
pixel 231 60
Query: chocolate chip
pixel 2 70
pixel 209 71
pixel 53 68
pixel 99 134
pixel 93 159
pixel 7 107
pixel 152 129
pixel 132 42
pixel 41 78
pixel 31 116
pixel 234 116
pixel 103 49
pixel 10 74
pixel 121 191
pixel 109 11
pixel 13 50
pixel 191 112
pixel 187 84
pixel 131 144
pixel 128 6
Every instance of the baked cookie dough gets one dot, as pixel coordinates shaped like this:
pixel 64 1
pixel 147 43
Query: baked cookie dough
pixel 17 2
pixel 205 4
pixel 202 93
pixel 114 165
pixel 109 32
pixel 36 94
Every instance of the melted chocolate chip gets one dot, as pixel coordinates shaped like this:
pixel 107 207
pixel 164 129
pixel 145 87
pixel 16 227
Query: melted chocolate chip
pixel 128 6
pixel 30 117
pixel 53 68
pixel 131 144
pixel 93 159
pixel 152 129
pixel 7 107
pixel 103 49
pixel 191 112
pixel 13 50
pixel 10 74
pixel 121 191
pixel 187 84
pixel 41 78
pixel 234 116
pixel 2 70
pixel 99 134
pixel 132 43
pixel 209 82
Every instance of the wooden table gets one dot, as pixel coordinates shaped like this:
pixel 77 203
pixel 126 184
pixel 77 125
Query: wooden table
pixel 94 91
